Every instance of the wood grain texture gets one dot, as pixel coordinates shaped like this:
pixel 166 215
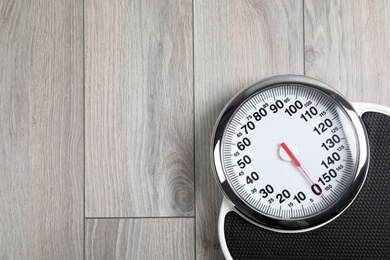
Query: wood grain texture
pixel 347 45
pixel 41 129
pixel 160 238
pixel 139 108
pixel 236 43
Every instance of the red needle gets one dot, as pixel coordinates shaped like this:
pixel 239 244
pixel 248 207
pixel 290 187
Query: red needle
pixel 298 164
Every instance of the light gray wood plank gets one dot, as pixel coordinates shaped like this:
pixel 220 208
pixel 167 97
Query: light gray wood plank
pixel 150 238
pixel 236 43
pixel 347 45
pixel 139 108
pixel 41 129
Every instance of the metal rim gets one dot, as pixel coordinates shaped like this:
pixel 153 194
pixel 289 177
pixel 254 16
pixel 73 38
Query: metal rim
pixel 307 223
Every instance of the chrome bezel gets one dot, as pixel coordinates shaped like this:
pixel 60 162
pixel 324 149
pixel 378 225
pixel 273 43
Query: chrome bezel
pixel 306 223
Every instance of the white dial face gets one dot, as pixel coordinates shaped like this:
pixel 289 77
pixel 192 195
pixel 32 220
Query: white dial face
pixel 289 152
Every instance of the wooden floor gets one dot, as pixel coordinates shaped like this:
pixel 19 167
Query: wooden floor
pixel 107 109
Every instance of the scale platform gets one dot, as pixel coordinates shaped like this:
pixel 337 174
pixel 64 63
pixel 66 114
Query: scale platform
pixel 360 231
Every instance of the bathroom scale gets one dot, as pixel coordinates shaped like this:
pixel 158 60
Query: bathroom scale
pixel 305 173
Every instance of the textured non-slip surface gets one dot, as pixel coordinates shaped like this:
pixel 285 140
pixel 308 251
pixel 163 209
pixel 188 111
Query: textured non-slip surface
pixel 361 232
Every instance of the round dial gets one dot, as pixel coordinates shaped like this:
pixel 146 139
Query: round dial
pixel 290 152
